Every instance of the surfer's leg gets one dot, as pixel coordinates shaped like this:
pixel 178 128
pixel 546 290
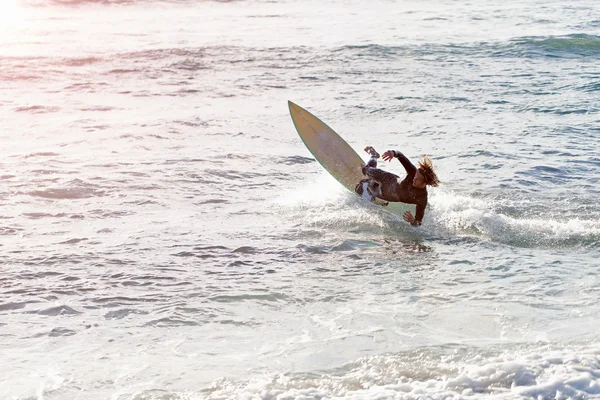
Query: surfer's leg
pixel 374 156
pixel 380 175
pixel 388 183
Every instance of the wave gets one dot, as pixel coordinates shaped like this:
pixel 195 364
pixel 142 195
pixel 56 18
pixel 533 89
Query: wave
pixel 37 109
pixel 575 45
pixel 75 189
pixel 453 371
pixel 483 218
pixel 513 222
pixel 175 61
pixel 566 46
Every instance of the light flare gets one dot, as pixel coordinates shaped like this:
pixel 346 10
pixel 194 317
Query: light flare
pixel 10 12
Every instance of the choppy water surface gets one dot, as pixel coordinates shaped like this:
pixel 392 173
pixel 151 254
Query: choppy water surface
pixel 164 233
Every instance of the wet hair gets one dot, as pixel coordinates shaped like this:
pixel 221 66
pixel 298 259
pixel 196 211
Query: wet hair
pixel 426 169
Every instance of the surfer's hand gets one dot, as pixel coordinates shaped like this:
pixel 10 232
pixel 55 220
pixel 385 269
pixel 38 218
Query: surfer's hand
pixel 408 217
pixel 388 155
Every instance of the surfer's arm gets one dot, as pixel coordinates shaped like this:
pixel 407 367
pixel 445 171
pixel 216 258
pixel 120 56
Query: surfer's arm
pixel 419 214
pixel 408 166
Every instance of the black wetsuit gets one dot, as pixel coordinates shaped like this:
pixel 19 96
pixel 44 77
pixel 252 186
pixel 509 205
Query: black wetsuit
pixel 394 190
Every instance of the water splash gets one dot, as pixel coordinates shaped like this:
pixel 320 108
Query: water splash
pixel 489 219
pixel 452 372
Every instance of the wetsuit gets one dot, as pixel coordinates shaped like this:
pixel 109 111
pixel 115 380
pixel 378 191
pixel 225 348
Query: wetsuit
pixel 392 189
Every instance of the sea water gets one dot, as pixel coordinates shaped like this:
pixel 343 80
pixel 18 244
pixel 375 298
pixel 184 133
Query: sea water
pixel 165 234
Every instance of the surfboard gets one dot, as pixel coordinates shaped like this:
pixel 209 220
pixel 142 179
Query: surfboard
pixel 333 152
pixel 328 148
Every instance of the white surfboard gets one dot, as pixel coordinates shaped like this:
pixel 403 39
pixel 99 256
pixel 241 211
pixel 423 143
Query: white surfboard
pixel 329 149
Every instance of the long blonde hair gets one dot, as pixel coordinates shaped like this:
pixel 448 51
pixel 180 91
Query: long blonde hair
pixel 427 170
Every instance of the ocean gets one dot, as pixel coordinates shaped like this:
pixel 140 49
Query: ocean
pixel 165 234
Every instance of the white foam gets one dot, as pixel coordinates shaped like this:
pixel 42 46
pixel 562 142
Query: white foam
pixel 464 374
pixel 324 190
pixel 449 214
pixel 334 205
pixel 466 215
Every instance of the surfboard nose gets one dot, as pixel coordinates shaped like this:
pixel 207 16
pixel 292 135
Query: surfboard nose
pixel 293 106
pixel 328 148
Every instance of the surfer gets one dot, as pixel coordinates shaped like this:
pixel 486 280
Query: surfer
pixel 411 190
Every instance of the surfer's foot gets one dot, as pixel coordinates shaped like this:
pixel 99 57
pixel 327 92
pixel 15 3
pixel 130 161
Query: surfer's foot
pixel 371 151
